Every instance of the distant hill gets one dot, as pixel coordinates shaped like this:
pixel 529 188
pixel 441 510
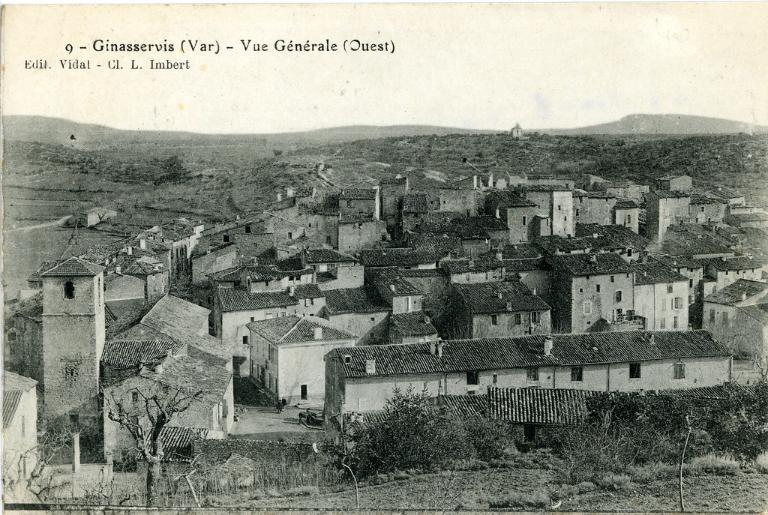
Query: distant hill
pixel 642 124
pixel 43 129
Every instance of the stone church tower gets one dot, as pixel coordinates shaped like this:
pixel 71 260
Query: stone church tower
pixel 73 338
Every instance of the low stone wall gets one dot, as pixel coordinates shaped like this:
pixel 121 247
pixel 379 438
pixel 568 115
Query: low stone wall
pixel 218 451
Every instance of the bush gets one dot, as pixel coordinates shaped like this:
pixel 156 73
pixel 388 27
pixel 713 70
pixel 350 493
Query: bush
pixel 302 491
pixel 615 481
pixel 537 499
pixel 761 462
pixel 490 439
pixel 470 464
pixel 719 465
pixel 651 472
pixel 586 486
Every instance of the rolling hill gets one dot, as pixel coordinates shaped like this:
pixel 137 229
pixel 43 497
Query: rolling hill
pixel 663 124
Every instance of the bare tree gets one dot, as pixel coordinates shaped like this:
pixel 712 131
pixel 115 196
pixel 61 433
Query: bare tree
pixel 145 420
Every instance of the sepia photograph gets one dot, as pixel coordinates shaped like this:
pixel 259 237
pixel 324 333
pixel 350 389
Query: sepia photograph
pixel 385 257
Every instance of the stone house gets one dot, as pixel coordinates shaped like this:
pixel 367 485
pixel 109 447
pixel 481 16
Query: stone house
pixel 358 233
pixel 591 288
pixel 457 199
pixel 208 259
pixel 663 209
pixel 483 269
pixel 395 291
pixel 287 355
pixel 411 328
pixel 703 209
pixel 24 342
pixel 627 214
pixel 725 271
pixel 624 189
pixel 358 203
pixel 358 311
pixel 124 293
pixel 516 212
pixel 496 309
pixel 360 379
pixel 332 270
pixel 737 316
pixel 414 206
pixel 19 428
pixel 674 183
pixel 401 257
pixel 435 284
pixel 392 191
pixel 593 207
pixel 661 296
pixel 556 203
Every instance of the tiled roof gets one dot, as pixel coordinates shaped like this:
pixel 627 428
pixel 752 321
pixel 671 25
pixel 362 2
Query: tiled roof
pixel 526 351
pixel 757 311
pixel 393 180
pixel 171 314
pixel 538 405
pixel 308 291
pixel 499 297
pixel 465 406
pixel 653 271
pixel 391 279
pixel 590 264
pixel 736 292
pixel 490 223
pixel 131 353
pixel 13 381
pixel 461 266
pixel 506 198
pixel 671 194
pixel 192 375
pixel 610 236
pixel 724 193
pixel 736 263
pixel 412 324
pixel 681 241
pixel 358 194
pixel 326 256
pixel 44 266
pixel 11 400
pixel 545 187
pixel 400 256
pixel 415 203
pixel 521 251
pixel 524 265
pixel 626 204
pixel 702 200
pixel 293 329
pixel 73 266
pixel 439 244
pixel 178 442
pixel 353 300
pixel 751 217
pixel 236 299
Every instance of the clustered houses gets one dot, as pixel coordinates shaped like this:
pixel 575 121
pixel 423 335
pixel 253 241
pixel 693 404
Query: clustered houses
pixel 337 295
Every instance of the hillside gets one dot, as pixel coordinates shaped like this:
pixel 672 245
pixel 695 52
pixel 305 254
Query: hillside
pixel 664 124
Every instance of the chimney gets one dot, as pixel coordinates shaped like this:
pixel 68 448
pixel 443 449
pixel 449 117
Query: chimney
pixel 500 295
pixel 118 270
pixel 370 366
pixel 498 213
pixel 129 250
pixel 548 344
pixel 499 255
pixel 279 197
pixel 289 192
pixel 318 333
pixel 440 344
pixel 593 258
pixel 433 347
pixel 594 235
pixel 652 339
pixel 142 244
pixel 392 288
pixel 474 181
pixel 291 291
pixel 743 295
pixel 533 291
pixel 426 319
pixel 509 306
pixel 76 452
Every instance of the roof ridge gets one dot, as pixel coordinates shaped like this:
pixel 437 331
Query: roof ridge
pixel 292 329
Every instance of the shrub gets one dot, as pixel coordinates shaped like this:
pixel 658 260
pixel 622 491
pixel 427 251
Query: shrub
pixel 761 462
pixel 302 491
pixel 651 472
pixel 401 475
pixel 470 464
pixel 586 486
pixel 615 481
pixel 537 499
pixel 564 492
pixel 717 464
pixel 490 439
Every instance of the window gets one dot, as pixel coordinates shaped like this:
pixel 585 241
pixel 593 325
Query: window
pixel 245 339
pixel 634 370
pixel 71 372
pixel 247 229
pixel 679 370
pixel 134 397
pixel 473 378
pixel 494 320
pixel 674 322
pixel 577 212
pixel 712 316
pixel 226 238
pixel 495 378
pixel 535 317
pixel 529 432
pixel 587 307
pixel 252 319
pixel 613 278
pixel 662 323
pixel 303 392
pixel 69 290
pixel 690 283
pixel 669 288
pixel 619 296
pixel 577 373
pixel 597 288
pixel 525 220
pixel 629 219
pixel 532 374
pixel 678 302
pixel 725 318
pixel 290 235
pixel 518 319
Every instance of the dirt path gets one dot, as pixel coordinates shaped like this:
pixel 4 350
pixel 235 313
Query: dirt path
pixel 53 223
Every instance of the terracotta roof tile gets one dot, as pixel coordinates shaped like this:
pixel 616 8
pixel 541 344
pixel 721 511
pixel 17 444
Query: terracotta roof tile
pixel 73 266
pixel 236 299
pixel 545 406
pixel 499 297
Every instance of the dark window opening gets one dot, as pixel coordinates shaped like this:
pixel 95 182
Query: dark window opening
pixel 245 340
pixel 226 238
pixel 532 374
pixel 679 370
pixel 247 229
pixel 634 370
pixel 494 320
pixel 529 432
pixel 577 374
pixel 473 378
pixel 69 290
pixel 303 392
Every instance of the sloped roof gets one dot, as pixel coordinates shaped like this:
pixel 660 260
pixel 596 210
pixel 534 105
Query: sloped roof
pixel 308 291
pixel 192 375
pixel 13 381
pixel 415 203
pixel 171 314
pixel 236 299
pixel 178 442
pixel 293 329
pixel 503 199
pixel 610 236
pixel 526 351
pixel 398 256
pixel 653 271
pixel 358 194
pixel 412 324
pixel 130 353
pixel 11 400
pixel 73 266
pixel 326 256
pixel 14 387
pixel 353 300
pixel 590 264
pixel 626 204
pixel 736 292
pixel 547 406
pixel 736 263
pixel 461 266
pixel 465 406
pixel 757 311
pixel 499 297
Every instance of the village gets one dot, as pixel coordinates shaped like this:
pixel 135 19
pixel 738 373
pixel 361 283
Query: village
pixel 496 296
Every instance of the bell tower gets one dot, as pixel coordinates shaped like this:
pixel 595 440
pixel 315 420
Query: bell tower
pixel 73 337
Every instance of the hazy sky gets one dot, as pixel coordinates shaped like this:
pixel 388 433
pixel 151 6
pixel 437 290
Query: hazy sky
pixel 476 66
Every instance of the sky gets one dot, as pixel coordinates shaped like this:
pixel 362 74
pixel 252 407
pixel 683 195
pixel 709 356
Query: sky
pixel 459 65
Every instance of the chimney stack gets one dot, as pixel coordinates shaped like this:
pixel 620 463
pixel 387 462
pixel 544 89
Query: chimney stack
pixel 370 366
pixel 118 270
pixel 509 306
pixel 392 288
pixel 129 250
pixel 440 344
pixel 279 197
pixel 548 344
pixel 291 290
pixel 433 347
pixel 76 452
pixel 498 213
pixel 142 243
pixel 743 295
pixel 474 181
pixel 318 333
pixel 593 258
pixel 499 255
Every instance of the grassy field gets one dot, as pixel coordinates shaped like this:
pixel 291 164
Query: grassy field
pixel 474 490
